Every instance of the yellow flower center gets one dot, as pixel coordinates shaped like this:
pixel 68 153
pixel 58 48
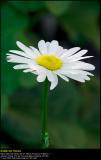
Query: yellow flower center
pixel 50 62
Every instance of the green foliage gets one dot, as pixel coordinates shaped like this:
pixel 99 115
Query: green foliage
pixel 91 115
pixel 58 7
pixel 26 6
pixel 4 104
pixel 81 20
pixel 73 107
pixel 68 127
pixel 13 28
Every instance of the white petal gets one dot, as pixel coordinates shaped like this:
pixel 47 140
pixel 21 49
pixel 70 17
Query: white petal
pixel 33 67
pixel 21 46
pixel 74 71
pixel 42 47
pixel 76 77
pixel 85 72
pixel 54 83
pixel 59 49
pixel 78 65
pixel 70 52
pixel 79 58
pixel 87 78
pixel 35 51
pixel 41 69
pixel 21 66
pixel 18 59
pixel 36 68
pixel 47 45
pixel 61 52
pixel 34 72
pixel 41 77
pixel 52 77
pixel 53 47
pixel 27 70
pixel 79 54
pixel 20 53
pixel 27 50
pixel 63 77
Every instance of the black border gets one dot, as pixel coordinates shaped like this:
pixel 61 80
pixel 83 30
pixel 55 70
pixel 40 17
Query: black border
pixel 64 154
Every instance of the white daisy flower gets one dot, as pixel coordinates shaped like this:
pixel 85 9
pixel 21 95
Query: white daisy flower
pixel 51 61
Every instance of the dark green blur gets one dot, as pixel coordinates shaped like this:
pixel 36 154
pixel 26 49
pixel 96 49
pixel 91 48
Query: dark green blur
pixel 74 109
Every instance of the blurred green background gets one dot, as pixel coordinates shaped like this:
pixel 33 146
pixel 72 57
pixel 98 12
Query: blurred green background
pixel 74 112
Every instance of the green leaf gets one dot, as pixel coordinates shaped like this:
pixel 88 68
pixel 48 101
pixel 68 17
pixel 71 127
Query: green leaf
pixel 12 23
pixel 27 6
pixel 81 20
pixel 91 105
pixel 58 7
pixel 66 135
pixel 4 104
pixel 66 103
pixel 67 125
pixel 12 29
pixel 23 129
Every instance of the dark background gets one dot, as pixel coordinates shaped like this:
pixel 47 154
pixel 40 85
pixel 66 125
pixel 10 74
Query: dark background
pixel 74 112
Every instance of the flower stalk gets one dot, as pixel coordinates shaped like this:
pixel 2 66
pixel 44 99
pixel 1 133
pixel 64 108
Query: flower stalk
pixel 45 136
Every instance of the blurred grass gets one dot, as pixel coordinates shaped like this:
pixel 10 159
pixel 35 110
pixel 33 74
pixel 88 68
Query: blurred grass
pixel 74 109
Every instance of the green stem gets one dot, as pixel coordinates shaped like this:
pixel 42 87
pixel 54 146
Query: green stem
pixel 45 137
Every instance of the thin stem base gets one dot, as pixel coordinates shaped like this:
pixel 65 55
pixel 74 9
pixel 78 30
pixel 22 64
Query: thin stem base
pixel 45 136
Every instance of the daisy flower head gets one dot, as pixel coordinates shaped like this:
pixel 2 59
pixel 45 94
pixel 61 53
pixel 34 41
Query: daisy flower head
pixel 51 61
